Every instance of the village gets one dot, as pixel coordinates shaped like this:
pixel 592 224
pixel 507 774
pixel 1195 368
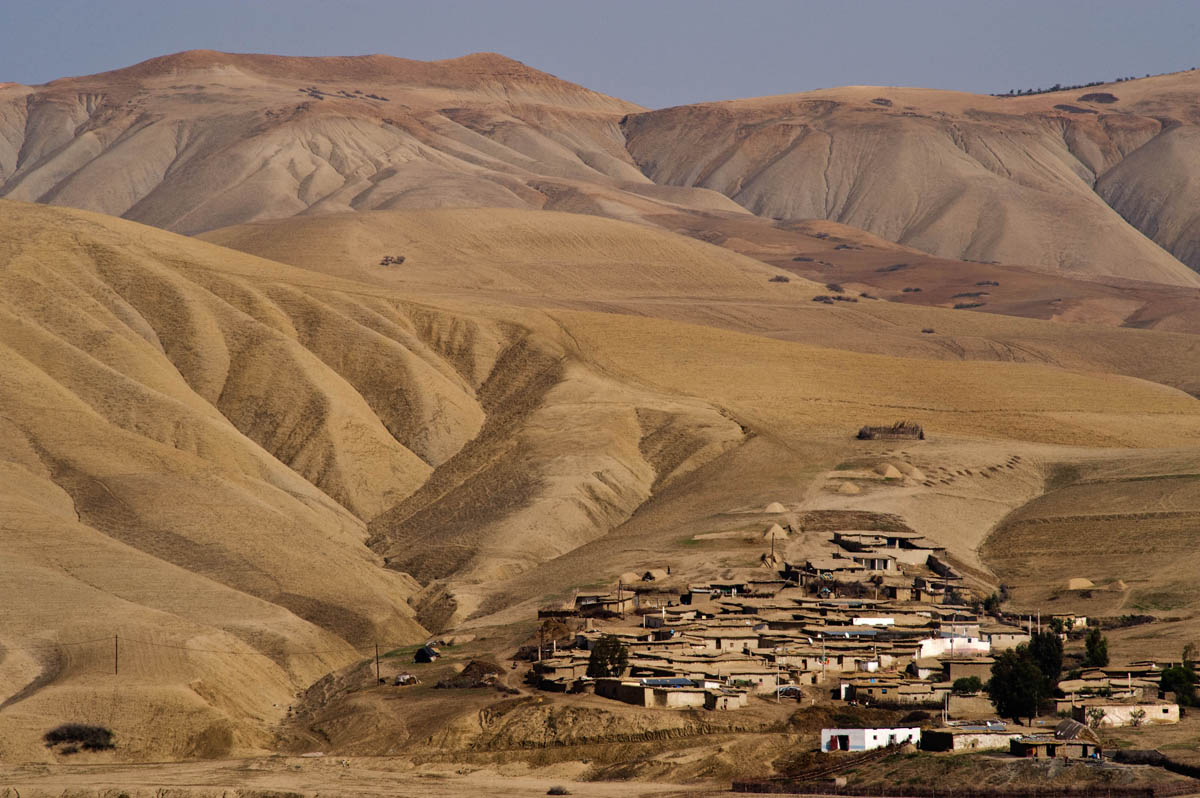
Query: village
pixel 881 619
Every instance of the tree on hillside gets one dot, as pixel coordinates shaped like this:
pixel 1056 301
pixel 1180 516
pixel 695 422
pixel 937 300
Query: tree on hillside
pixel 1097 649
pixel 1046 649
pixel 1018 686
pixel 608 658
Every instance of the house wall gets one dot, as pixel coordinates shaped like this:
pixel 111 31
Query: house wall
pixel 1122 714
pixel 1003 642
pixel 870 739
pixel 935 740
pixel 934 647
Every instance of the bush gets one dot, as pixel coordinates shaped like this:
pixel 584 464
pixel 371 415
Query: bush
pixel 968 305
pixel 928 330
pixel 910 290
pixel 917 716
pixel 834 287
pixel 779 278
pixel 80 735
pixel 558 789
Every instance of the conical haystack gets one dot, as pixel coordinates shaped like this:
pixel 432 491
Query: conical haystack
pixel 911 471
pixel 775 531
pixel 1080 583
pixel 888 471
pixel 849 489
pixel 775 507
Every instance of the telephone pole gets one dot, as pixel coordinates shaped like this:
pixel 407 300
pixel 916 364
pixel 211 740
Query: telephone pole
pixel 377 678
pixel 116 655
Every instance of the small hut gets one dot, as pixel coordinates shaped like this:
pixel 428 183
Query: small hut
pixel 901 430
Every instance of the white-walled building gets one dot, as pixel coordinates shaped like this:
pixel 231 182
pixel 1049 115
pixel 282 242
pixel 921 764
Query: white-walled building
pixel 867 739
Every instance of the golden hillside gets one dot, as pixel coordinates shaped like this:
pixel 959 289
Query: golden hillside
pixel 213 455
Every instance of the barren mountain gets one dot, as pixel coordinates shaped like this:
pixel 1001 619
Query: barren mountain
pixel 1073 182
pixel 200 139
pixel 1076 181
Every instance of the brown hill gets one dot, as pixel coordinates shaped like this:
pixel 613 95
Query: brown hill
pixel 1009 179
pixel 200 139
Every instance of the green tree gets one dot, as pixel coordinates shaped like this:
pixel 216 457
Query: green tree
pixel 1097 649
pixel 1046 649
pixel 608 658
pixel 1018 686
pixel 967 685
pixel 991 604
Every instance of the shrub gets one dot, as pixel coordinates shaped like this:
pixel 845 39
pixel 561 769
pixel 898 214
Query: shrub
pixel 558 789
pixel 916 716
pixel 884 101
pixel 1098 97
pixel 779 278
pixel 968 305
pixel 928 330
pixel 80 735
pixel 834 287
pixel 802 259
pixel 910 290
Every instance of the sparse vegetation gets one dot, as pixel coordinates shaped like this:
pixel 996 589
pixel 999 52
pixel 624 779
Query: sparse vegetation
pixel 779 278
pixel 910 290
pixel 968 305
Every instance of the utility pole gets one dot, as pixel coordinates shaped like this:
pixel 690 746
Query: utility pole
pixel 116 655
pixel 377 678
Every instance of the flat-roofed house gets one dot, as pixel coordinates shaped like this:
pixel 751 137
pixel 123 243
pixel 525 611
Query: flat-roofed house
pixel 868 739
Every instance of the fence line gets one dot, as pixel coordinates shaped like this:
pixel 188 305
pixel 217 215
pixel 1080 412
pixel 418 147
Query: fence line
pixel 55 645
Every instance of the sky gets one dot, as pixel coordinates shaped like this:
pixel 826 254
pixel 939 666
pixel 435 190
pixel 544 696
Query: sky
pixel 653 52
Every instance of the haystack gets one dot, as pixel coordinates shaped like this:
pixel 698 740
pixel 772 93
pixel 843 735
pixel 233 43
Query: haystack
pixel 775 507
pixel 888 471
pixel 775 531
pixel 1119 585
pixel 629 577
pixel 849 489
pixel 1080 583
pixel 911 471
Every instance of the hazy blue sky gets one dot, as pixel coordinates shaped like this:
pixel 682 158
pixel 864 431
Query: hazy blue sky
pixel 653 52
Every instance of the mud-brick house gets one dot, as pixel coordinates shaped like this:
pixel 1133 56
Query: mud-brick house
pixel 987 736
pixel 1071 740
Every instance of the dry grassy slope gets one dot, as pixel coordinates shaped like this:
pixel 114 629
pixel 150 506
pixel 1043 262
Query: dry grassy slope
pixel 133 503
pixel 958 175
pixel 512 253
pixel 829 252
pixel 220 426
pixel 507 256
pixel 200 139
